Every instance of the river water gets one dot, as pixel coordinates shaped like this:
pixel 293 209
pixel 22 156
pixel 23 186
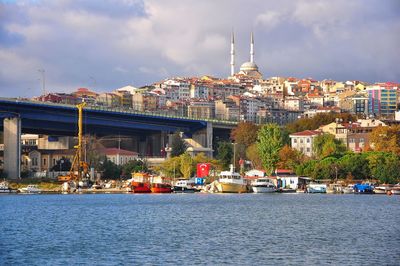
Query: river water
pixel 190 229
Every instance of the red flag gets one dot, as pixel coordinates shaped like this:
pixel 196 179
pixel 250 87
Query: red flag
pixel 203 169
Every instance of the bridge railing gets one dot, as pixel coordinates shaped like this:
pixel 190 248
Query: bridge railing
pixel 128 111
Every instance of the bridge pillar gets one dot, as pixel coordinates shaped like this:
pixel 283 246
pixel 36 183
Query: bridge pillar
pixel 12 147
pixel 209 135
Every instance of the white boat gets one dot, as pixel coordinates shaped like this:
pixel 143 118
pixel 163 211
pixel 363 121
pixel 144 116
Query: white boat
pixel 396 189
pixel 349 189
pixel 4 188
pixel 334 189
pixel 263 185
pixel 316 188
pixel 231 182
pixel 184 186
pixel 30 189
pixel 382 190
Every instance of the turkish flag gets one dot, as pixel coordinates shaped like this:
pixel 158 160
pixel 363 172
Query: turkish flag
pixel 203 169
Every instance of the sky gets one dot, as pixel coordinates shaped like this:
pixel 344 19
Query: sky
pixel 108 44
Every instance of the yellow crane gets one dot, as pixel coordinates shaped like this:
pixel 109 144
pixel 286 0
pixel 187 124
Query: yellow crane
pixel 78 165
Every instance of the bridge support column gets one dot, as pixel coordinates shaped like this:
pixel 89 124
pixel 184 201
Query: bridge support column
pixel 12 147
pixel 209 136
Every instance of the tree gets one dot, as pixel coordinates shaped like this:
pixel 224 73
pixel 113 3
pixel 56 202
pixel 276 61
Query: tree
pixel 386 138
pixel 253 155
pixel 269 143
pixel 178 145
pixel 244 134
pixel 202 158
pixel 110 170
pixel 317 121
pixel 133 167
pixel 326 145
pixel 171 167
pixel 186 165
pixel 289 158
pixel 354 164
pixel 225 153
pixel 64 164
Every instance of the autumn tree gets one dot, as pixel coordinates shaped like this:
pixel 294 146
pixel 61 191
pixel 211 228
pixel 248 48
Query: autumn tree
pixel 289 158
pixel 269 143
pixel 202 158
pixel 253 155
pixel 317 121
pixel 244 134
pixel 386 138
pixel 178 145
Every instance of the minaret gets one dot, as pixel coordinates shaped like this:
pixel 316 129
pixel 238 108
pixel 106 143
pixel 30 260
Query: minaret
pixel 232 55
pixel 252 48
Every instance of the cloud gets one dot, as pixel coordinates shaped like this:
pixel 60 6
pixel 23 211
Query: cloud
pixel 120 42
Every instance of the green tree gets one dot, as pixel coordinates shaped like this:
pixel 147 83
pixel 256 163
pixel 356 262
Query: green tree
pixel 202 158
pixel 354 164
pixel 110 170
pixel 64 164
pixel 171 167
pixel 225 153
pixel 269 143
pixel 326 145
pixel 186 165
pixel 178 145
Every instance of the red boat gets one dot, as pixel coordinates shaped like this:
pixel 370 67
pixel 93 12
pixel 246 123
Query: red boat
pixel 141 183
pixel 160 185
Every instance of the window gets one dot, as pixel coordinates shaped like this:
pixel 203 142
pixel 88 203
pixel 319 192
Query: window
pixel 44 161
pixel 301 140
pixel 308 149
pixel 362 140
pixel 294 140
pixel 308 140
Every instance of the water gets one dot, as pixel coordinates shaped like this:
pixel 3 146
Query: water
pixel 212 229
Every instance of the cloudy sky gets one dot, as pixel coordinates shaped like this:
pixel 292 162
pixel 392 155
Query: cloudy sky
pixel 104 45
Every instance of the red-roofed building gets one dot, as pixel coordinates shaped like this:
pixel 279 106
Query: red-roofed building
pixel 303 141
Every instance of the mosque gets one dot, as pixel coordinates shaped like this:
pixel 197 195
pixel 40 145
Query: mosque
pixel 250 68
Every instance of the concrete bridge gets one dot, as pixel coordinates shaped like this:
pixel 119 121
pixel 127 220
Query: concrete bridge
pixel 24 116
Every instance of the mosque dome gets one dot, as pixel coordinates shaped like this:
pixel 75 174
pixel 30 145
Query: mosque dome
pixel 248 66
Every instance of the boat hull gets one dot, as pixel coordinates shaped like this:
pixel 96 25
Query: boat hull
pixel 138 187
pixel 178 189
pixel 231 188
pixel 260 189
pixel 161 188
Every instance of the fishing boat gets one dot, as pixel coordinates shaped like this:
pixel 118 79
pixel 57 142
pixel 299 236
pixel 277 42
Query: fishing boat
pixel 263 185
pixel 316 188
pixel 140 183
pixel 30 189
pixel 184 186
pixel 231 182
pixel 349 189
pixel 160 185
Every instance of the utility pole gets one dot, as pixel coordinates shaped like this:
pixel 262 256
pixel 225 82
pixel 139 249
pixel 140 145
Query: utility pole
pixel 43 81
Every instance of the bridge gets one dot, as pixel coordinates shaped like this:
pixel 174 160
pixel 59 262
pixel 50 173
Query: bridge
pixel 25 116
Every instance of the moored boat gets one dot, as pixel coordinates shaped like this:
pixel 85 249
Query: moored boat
pixel 30 189
pixel 263 185
pixel 231 182
pixel 334 189
pixel 316 188
pixel 349 189
pixel 140 183
pixel 363 189
pixel 184 186
pixel 4 188
pixel 382 190
pixel 160 185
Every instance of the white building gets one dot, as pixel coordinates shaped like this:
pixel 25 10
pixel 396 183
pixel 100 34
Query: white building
pixel 303 141
pixel 119 156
